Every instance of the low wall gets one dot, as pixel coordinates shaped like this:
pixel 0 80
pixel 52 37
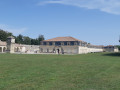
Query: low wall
pixel 62 49
pixel 31 48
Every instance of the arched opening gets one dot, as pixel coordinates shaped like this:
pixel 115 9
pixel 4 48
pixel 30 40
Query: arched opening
pixel 4 49
pixel 47 50
pixel 17 49
pixel 54 50
pixel 58 50
pixel 41 50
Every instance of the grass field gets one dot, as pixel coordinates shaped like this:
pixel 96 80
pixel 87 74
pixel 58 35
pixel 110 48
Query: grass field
pixel 100 71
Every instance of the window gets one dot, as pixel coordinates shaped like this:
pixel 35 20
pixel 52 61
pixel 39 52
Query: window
pixel 57 43
pixel 50 43
pixel 44 43
pixel 75 43
pixel 80 43
pixel 68 43
pixel 62 43
pixel 65 43
pixel 72 43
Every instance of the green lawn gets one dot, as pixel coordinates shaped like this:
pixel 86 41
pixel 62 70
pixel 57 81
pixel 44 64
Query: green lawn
pixel 100 71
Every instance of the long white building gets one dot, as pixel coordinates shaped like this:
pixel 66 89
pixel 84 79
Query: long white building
pixel 61 45
pixel 68 45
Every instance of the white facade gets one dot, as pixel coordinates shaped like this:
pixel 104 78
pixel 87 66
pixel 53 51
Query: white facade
pixel 68 49
pixel 68 45
pixel 61 45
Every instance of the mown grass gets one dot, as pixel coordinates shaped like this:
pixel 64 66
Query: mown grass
pixel 99 71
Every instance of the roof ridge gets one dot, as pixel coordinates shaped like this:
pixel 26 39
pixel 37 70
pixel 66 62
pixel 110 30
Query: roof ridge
pixel 65 38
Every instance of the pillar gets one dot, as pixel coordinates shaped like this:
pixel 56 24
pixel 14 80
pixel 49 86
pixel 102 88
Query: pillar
pixel 2 49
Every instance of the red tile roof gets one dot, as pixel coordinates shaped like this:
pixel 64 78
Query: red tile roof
pixel 63 39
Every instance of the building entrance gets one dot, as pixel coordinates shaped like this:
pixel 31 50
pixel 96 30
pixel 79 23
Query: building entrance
pixel 58 50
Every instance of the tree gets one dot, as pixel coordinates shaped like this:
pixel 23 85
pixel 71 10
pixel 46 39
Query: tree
pixel 26 40
pixel 32 41
pixel 40 38
pixel 4 35
pixel 19 39
pixel 37 40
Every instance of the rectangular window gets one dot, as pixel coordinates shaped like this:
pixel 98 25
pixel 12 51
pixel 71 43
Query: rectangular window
pixel 50 43
pixel 72 43
pixel 57 43
pixel 65 43
pixel 44 43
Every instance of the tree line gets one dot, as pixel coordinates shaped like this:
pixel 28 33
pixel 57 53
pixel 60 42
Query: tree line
pixel 20 39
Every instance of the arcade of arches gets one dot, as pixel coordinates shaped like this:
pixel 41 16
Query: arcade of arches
pixel 2 49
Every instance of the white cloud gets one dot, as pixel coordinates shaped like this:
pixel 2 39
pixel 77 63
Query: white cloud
pixel 50 2
pixel 13 30
pixel 109 6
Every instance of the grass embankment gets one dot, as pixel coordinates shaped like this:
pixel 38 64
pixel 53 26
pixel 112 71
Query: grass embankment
pixel 100 71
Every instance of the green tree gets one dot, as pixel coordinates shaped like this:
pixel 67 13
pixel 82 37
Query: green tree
pixel 4 35
pixel 37 40
pixel 26 40
pixel 40 38
pixel 32 41
pixel 19 39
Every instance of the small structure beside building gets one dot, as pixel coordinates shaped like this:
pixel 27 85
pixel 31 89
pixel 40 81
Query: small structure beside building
pixel 110 48
pixel 10 44
pixel 13 47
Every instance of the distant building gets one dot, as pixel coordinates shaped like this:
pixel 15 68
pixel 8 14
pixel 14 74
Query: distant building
pixel 68 45
pixel 58 45
pixel 110 48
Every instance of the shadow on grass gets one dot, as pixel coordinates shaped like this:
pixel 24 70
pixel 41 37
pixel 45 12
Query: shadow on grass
pixel 112 54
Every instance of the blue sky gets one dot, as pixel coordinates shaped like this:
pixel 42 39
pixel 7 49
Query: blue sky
pixel 93 21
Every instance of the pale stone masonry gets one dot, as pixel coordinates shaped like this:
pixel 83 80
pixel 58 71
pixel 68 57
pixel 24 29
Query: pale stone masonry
pixel 68 45
pixel 3 47
pixel 58 45
pixel 10 44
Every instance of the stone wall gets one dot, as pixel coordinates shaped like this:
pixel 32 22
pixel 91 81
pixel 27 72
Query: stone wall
pixel 31 48
pixel 62 49
pixel 68 49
